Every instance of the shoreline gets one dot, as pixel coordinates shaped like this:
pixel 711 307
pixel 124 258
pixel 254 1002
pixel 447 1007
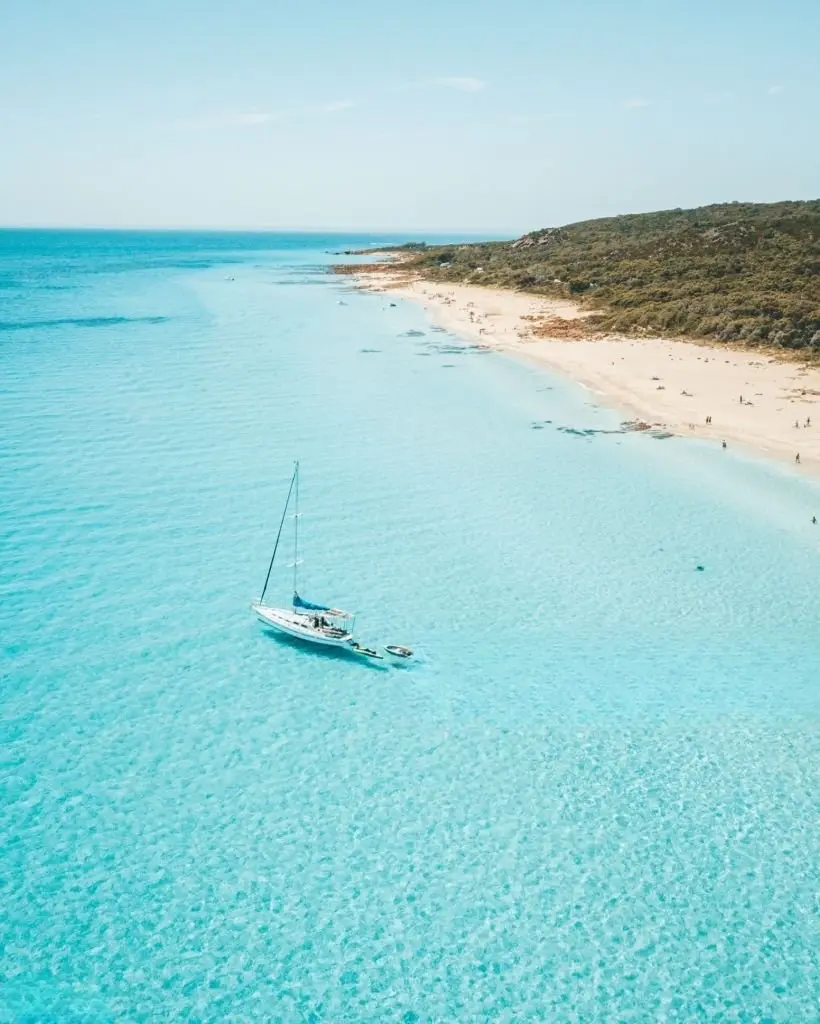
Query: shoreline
pixel 672 385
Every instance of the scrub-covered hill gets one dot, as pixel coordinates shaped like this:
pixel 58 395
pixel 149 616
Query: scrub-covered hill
pixel 737 272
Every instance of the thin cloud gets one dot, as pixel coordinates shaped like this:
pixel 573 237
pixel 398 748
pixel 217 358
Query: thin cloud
pixel 717 99
pixel 775 90
pixel 252 118
pixel 331 108
pixel 539 118
pixel 635 104
pixel 461 84
pixel 259 118
pixel 230 119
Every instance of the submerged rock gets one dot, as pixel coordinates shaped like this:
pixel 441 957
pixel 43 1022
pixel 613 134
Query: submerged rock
pixel 586 431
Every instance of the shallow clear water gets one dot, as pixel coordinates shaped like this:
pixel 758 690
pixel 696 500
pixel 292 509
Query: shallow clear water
pixel 593 796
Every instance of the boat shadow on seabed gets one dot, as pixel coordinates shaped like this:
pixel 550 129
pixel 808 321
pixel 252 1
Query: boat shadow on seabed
pixel 327 653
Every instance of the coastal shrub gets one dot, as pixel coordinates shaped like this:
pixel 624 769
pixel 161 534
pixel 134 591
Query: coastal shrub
pixel 742 273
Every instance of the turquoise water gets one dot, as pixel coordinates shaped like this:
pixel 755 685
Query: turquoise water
pixel 592 797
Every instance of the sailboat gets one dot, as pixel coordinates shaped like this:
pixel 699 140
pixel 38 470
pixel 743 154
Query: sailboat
pixel 305 620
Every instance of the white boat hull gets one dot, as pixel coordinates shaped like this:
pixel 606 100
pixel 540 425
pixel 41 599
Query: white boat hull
pixel 299 626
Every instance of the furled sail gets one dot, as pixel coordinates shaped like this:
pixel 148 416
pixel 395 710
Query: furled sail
pixel 309 606
pixel 299 602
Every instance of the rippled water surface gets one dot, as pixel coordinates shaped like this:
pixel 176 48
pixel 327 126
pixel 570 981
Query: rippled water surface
pixel 594 794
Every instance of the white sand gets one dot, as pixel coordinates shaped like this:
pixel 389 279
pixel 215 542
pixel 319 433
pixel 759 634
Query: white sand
pixel 673 383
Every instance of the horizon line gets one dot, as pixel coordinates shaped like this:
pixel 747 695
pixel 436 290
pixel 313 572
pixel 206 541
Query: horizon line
pixel 257 230
pixel 489 233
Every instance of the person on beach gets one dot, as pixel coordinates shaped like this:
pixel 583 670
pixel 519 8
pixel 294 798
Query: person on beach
pixel 723 444
pixel 797 457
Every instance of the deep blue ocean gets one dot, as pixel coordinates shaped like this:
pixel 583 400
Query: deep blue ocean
pixel 593 796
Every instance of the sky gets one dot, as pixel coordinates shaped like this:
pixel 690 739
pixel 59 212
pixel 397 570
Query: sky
pixel 438 115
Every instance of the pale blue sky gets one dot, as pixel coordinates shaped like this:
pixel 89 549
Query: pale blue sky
pixel 493 116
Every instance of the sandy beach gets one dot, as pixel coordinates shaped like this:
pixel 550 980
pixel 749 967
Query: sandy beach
pixel 747 399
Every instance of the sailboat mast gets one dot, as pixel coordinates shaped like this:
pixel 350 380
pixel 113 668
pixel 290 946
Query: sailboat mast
pixel 296 530
pixel 293 480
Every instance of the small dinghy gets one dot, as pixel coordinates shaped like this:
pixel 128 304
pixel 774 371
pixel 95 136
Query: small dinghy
pixel 399 652
pixel 364 652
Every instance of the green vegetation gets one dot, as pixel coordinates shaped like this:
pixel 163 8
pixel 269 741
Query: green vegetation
pixel 738 272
